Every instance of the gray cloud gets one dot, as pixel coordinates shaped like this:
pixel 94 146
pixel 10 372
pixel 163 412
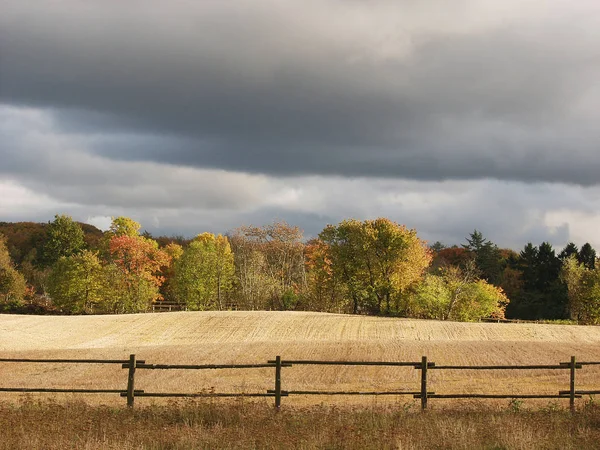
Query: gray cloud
pixel 203 116
pixel 428 90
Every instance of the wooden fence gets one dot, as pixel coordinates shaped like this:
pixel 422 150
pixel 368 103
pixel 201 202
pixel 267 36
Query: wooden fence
pixel 133 364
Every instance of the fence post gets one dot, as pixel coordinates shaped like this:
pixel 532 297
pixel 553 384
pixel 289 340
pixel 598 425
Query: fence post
pixel 131 381
pixel 278 382
pixel 424 383
pixel 572 385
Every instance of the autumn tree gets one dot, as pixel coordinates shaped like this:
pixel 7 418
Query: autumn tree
pixel 324 290
pixel 376 260
pixel 64 238
pixel 269 262
pixel 450 256
pixel 134 271
pixel 203 275
pixel 168 289
pixel 12 283
pixel 77 283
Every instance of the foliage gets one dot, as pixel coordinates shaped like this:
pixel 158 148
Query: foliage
pixel 323 284
pixel 124 226
pixel 77 283
pixel 543 295
pixel 135 272
pixel 203 274
pixel 457 294
pixel 23 238
pixel 269 264
pixel 450 256
pixel 12 283
pixel 583 287
pixel 64 238
pixel 587 256
pixel 487 256
pixel 375 261
pixel 373 266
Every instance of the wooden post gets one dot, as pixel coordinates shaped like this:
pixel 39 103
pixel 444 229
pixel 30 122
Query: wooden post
pixel 131 381
pixel 572 385
pixel 424 383
pixel 278 382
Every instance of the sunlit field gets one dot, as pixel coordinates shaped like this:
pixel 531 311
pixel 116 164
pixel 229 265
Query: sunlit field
pixel 256 337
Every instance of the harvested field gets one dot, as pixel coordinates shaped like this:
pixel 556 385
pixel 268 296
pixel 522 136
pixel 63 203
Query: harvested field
pixel 255 337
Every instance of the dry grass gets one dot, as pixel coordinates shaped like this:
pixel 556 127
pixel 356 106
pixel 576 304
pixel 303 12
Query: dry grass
pixel 250 337
pixel 249 425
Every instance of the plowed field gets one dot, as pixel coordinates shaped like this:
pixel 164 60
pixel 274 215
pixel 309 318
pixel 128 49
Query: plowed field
pixel 255 337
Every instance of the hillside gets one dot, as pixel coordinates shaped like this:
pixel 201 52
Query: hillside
pixel 251 337
pixel 22 238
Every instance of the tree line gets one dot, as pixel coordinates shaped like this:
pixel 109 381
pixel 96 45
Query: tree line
pixel 374 267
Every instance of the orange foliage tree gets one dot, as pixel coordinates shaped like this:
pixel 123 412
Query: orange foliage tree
pixel 135 272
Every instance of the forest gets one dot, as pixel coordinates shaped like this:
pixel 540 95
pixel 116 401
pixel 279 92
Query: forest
pixel 376 267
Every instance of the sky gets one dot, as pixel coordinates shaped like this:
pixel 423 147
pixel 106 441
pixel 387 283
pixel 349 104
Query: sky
pixel 193 116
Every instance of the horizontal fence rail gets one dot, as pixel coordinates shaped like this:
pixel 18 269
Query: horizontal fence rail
pixel 350 363
pixel 498 395
pixel 424 393
pixel 204 366
pixel 531 367
pixel 69 391
pixel 201 394
pixel 70 361
pixel 354 392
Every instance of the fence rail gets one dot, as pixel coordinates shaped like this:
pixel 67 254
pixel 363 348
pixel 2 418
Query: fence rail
pixel 424 393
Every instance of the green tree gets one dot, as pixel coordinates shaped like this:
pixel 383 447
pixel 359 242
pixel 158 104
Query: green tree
pixel 204 273
pixel 64 238
pixel 77 283
pixel 124 226
pixel 456 294
pixel 345 245
pixel 583 287
pixel 376 260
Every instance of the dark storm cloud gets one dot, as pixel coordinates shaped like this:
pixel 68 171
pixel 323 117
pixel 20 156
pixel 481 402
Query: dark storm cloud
pixel 427 90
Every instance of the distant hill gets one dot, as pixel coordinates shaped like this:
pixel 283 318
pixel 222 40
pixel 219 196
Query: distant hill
pixel 23 238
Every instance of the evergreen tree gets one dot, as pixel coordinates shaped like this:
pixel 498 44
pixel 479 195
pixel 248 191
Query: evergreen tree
pixel 587 256
pixel 569 250
pixel 543 295
pixel 487 256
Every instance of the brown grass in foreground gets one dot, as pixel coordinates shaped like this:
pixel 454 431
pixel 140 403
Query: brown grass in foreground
pixel 245 424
